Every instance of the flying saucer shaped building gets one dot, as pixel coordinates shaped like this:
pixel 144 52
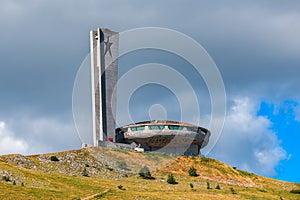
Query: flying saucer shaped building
pixel 165 136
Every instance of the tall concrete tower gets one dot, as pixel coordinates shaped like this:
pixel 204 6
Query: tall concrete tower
pixel 104 75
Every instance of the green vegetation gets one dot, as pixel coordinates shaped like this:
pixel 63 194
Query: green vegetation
pixel 208 185
pixel 54 159
pixel 171 179
pixel 5 178
pixel 120 187
pixel 193 172
pixel 295 191
pixel 232 191
pixel 65 180
pixel 245 174
pixel 109 168
pixel 205 160
pixel 218 187
pixel 145 173
pixel 85 173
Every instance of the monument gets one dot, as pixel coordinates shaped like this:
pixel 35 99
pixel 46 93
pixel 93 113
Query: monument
pixel 104 75
pixel 157 135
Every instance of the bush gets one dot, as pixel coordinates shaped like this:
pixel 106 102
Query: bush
pixel 295 191
pixel 109 168
pixel 171 179
pixel 120 187
pixel 208 185
pixel 145 173
pixel 193 171
pixel 5 178
pixel 232 191
pixel 54 158
pixel 22 184
pixel 191 185
pixel 14 182
pixel 218 187
pixel 84 172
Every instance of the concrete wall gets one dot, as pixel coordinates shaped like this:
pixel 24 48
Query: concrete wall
pixel 104 74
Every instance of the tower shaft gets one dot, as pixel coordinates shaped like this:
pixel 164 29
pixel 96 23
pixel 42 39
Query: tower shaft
pixel 104 46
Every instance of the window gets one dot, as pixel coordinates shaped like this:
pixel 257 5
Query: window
pixel 156 127
pixel 174 127
pixel 138 128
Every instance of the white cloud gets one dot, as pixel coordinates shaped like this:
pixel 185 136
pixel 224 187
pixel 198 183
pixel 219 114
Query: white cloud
pixel 9 143
pixel 37 135
pixel 247 141
pixel 297 113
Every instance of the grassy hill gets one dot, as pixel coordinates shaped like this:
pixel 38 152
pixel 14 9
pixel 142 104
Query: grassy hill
pixel 103 173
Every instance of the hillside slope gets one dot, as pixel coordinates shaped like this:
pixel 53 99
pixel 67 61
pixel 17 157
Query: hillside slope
pixel 96 172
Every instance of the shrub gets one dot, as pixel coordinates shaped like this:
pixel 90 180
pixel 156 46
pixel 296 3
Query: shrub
pixel 218 187
pixel 120 187
pixel 295 191
pixel 193 171
pixel 191 185
pixel 5 178
pixel 109 168
pixel 171 179
pixel 84 172
pixel 145 173
pixel 204 160
pixel 232 191
pixel 54 158
pixel 14 182
pixel 22 184
pixel 208 185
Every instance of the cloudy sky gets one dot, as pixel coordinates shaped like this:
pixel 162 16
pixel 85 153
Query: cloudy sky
pixel 255 45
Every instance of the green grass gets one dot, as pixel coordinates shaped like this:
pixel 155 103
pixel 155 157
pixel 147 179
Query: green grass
pixel 53 185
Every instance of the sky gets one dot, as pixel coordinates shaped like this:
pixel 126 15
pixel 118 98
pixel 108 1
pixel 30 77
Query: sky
pixel 255 45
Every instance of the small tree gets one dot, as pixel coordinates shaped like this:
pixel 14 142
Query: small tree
pixel 232 191
pixel 218 187
pixel 120 187
pixel 54 158
pixel 5 178
pixel 84 172
pixel 145 173
pixel 208 185
pixel 191 185
pixel 171 179
pixel 193 171
pixel 14 182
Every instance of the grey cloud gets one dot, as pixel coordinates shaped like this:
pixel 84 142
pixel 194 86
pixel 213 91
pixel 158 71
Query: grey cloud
pixel 254 43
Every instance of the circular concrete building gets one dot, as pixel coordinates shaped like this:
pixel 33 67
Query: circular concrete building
pixel 165 136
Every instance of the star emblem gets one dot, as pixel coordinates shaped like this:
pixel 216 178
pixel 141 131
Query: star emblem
pixel 107 47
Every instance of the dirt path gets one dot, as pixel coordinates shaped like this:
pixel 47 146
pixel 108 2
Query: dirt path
pixel 94 195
